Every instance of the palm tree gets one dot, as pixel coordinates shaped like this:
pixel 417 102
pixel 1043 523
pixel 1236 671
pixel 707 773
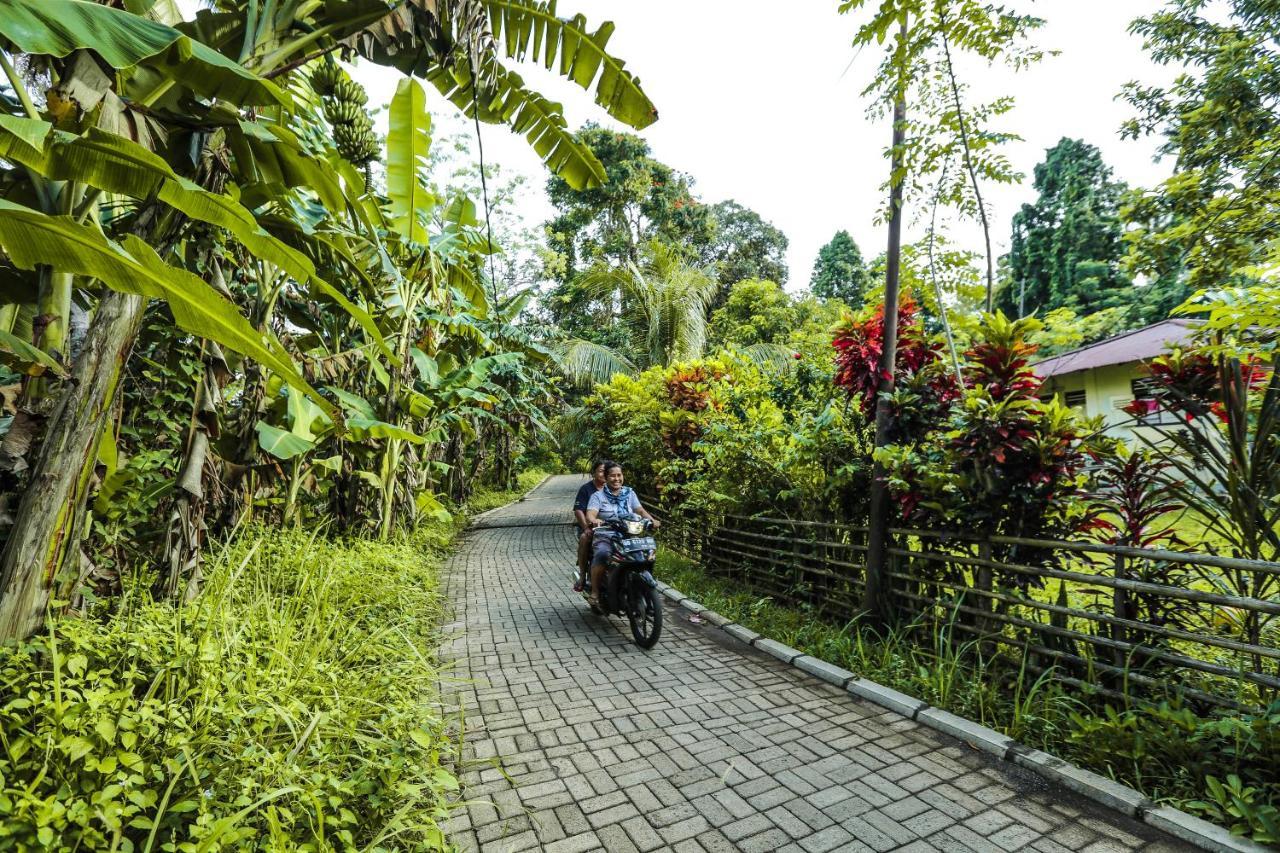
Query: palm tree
pixel 662 304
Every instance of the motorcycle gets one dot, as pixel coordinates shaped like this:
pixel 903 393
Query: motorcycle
pixel 629 587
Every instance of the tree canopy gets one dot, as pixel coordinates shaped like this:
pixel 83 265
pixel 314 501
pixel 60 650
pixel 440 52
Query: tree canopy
pixel 745 246
pixel 839 272
pixel 1220 211
pixel 1066 245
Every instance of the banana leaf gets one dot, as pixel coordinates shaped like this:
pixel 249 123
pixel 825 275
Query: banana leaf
pixel 408 144
pixel 115 164
pixel 21 356
pixel 124 40
pixel 530 29
pixel 32 238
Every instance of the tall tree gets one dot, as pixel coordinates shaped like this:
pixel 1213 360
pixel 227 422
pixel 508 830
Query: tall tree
pixel 1066 246
pixel 839 272
pixel 745 246
pixel 913 66
pixel 1220 120
pixel 641 200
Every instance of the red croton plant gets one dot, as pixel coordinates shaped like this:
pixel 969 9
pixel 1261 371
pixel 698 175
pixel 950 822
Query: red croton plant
pixel 688 390
pixel 1191 384
pixel 989 458
pixel 924 389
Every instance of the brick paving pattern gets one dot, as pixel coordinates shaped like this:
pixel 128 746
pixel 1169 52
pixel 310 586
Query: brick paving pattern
pixel 578 740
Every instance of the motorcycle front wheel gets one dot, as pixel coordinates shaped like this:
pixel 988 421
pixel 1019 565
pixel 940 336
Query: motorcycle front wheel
pixel 644 612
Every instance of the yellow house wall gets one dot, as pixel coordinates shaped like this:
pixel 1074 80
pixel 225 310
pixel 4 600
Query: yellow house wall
pixel 1107 392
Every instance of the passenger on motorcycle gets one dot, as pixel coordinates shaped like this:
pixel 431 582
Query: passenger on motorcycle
pixel 613 501
pixel 580 518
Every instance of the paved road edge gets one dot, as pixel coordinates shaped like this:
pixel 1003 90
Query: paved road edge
pixel 471 520
pixel 1093 786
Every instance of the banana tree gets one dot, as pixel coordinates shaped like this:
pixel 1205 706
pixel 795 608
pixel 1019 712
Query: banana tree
pixel 118 219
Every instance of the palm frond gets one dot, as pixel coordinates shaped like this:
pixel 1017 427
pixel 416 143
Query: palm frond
pixel 772 356
pixel 586 363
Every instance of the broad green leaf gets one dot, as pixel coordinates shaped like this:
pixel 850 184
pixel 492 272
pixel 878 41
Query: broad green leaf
pixel 280 443
pixel 428 370
pixel 305 416
pixel 25 138
pixel 539 120
pixel 32 238
pixel 25 358
pixel 527 28
pixel 363 427
pixel 429 505
pixel 370 478
pixel 115 164
pixel 278 158
pixel 124 40
pixel 329 463
pixel 351 402
pixel 408 144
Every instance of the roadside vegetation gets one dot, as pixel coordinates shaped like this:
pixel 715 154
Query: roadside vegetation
pixel 295 704
pixel 258 362
pixel 1218 766
pixel 917 406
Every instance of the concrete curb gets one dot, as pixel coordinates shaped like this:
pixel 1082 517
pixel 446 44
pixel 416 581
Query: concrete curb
pixel 1106 792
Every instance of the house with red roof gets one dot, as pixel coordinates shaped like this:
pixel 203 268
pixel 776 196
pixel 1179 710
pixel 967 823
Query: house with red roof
pixel 1105 377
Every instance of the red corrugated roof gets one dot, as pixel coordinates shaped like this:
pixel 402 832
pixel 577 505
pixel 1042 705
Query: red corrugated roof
pixel 1138 345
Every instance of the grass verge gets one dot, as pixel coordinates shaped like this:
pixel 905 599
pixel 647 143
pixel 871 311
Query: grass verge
pixel 486 499
pixel 294 706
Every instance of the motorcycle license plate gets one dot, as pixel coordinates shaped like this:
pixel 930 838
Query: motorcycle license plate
pixel 644 543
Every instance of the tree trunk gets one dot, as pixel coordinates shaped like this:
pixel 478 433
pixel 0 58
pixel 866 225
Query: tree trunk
pixel 48 527
pixel 876 598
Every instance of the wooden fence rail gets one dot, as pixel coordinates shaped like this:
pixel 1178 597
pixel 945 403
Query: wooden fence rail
pixel 1113 621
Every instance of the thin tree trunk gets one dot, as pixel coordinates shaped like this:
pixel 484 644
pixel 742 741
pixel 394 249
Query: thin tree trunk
pixel 47 530
pixel 876 590
pixel 937 285
pixel 973 175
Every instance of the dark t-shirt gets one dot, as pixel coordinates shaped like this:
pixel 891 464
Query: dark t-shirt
pixel 584 495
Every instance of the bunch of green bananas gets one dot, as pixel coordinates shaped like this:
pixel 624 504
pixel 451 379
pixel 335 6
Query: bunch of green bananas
pixel 344 101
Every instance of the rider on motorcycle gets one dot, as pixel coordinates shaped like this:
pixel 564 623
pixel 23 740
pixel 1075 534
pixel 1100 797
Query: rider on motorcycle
pixel 580 519
pixel 613 501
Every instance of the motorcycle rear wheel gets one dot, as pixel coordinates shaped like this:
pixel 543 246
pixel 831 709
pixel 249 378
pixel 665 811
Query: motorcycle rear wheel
pixel 644 612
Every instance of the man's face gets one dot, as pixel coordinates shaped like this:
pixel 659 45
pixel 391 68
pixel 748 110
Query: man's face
pixel 598 476
pixel 614 477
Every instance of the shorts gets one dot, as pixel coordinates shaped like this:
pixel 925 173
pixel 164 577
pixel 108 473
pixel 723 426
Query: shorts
pixel 601 548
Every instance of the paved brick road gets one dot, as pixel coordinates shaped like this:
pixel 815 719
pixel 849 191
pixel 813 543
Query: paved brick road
pixel 581 741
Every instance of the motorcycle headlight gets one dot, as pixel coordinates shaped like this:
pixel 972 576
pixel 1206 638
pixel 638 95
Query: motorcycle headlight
pixel 635 528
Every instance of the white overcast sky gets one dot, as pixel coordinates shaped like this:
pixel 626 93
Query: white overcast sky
pixel 760 103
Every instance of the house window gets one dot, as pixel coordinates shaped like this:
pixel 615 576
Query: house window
pixel 1074 399
pixel 1146 403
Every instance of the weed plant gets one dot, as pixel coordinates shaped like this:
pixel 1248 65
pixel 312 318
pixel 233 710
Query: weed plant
pixel 294 706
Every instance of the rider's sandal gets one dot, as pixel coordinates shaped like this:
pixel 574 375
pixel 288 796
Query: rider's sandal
pixel 577 586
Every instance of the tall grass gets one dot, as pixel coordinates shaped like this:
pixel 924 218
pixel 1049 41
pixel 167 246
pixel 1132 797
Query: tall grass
pixel 294 706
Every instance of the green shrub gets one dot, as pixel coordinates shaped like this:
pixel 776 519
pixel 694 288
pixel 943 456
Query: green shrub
pixel 1223 766
pixel 294 706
